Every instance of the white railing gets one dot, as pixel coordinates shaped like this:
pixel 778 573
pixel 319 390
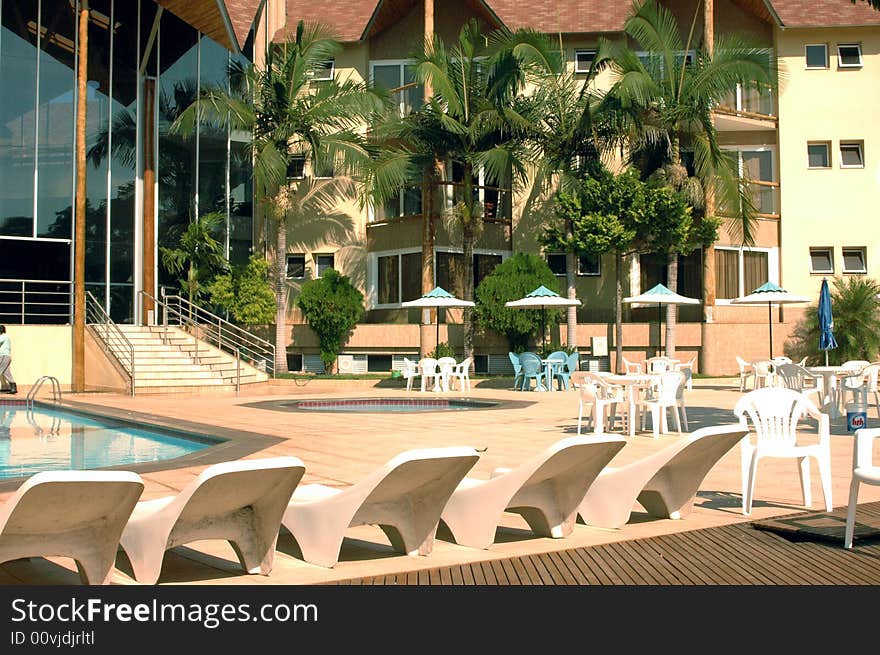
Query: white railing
pixel 36 302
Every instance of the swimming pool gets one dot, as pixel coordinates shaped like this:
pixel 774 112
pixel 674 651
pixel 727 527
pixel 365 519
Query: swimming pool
pixel 51 439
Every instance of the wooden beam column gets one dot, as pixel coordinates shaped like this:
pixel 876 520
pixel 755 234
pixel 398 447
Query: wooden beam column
pixel 149 220
pixel 78 378
pixel 428 200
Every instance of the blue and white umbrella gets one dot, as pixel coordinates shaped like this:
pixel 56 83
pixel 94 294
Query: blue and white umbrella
pixel 826 321
pixel 772 294
pixel 437 297
pixel 541 298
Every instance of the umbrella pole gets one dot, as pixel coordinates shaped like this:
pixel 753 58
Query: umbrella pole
pixel 659 329
pixel 437 319
pixel 770 323
pixel 543 330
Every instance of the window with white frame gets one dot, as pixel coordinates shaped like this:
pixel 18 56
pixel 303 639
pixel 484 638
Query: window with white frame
pixel 324 71
pixel 819 154
pixel 449 268
pixel 854 260
pixel 816 55
pixel 583 60
pixel 296 167
pixel 296 266
pixel 494 196
pixel 757 164
pixel 322 263
pixel 398 277
pixel 739 271
pixel 587 265
pixel 822 260
pixel 852 154
pixel 396 74
pixel 849 55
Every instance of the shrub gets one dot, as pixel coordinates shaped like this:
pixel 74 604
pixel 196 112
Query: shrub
pixel 443 349
pixel 332 306
pixel 854 306
pixel 510 280
pixel 246 293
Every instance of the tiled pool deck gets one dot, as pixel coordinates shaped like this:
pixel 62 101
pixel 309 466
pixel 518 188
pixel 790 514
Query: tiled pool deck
pixel 340 448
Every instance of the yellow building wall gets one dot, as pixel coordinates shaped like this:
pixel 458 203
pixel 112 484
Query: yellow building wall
pixel 832 207
pixel 39 350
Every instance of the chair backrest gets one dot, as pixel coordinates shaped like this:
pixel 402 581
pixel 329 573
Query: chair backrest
pixel 774 413
pixel 514 359
pixel 671 387
pixel 631 367
pixel 446 362
pixel 572 362
pixel 782 359
pixel 870 373
pixel 793 376
pixel 464 366
pixel 531 363
pixel 743 364
pixel 803 362
pixel 409 368
pixel 428 366
pixel 657 364
pixel 559 355
pixel 762 367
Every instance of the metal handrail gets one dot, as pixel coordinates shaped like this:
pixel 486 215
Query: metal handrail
pixel 115 341
pixel 56 391
pixel 215 330
pixel 28 301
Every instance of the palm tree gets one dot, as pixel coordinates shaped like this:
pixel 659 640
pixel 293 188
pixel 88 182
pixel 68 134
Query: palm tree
pixel 669 97
pixel 289 117
pixel 198 254
pixel 473 119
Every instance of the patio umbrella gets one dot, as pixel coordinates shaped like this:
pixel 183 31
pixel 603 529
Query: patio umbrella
pixel 772 294
pixel 662 295
pixel 541 298
pixel 437 297
pixel 826 320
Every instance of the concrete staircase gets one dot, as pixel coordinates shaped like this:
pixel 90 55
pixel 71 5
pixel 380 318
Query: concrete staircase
pixel 171 365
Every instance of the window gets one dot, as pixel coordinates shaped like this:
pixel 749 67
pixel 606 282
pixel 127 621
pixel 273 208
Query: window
pixel 587 265
pixel 322 263
pixel 449 269
pixel 407 202
pixel 740 271
pixel 495 196
pixel 821 260
pixel 396 75
pixel 583 59
pixel 851 155
pixel 849 55
pixel 324 169
pixel 399 278
pixel 816 55
pixel 854 260
pixel 296 266
pixel 324 71
pixel 818 155
pixel 296 167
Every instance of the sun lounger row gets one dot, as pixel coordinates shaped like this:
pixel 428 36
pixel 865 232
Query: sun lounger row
pixel 85 515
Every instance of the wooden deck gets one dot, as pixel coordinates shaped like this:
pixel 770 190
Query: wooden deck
pixel 737 554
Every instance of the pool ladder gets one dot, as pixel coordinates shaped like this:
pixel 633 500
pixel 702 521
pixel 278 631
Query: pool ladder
pixel 56 391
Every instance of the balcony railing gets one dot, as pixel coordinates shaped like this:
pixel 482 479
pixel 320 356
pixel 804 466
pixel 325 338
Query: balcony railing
pixel 36 302
pixel 765 197
pixel 749 102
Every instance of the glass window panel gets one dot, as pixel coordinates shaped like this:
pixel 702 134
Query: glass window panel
pixel 556 262
pixel 755 270
pixel 34 260
pixel 389 280
pixel 483 265
pixel 690 274
pixel 386 76
pixel 18 71
pixel 851 155
pixel 653 270
pixel 122 303
pixel 758 165
pixel 817 155
pixel 241 222
pixel 817 55
pixel 411 276
pixel 726 273
pixel 849 55
pixel 821 260
pixel 296 266
pixel 412 200
pixel 589 265
pixel 854 260
pixel 413 97
pixel 583 60
pixel 213 65
pixel 322 263
pixel 56 110
pixel 449 272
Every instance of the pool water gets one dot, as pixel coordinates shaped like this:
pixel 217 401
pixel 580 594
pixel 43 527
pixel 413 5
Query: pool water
pixel 51 440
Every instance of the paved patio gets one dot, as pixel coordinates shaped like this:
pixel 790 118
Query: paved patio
pixel 340 448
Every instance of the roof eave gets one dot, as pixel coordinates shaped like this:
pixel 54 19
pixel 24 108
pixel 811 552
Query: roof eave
pixel 227 23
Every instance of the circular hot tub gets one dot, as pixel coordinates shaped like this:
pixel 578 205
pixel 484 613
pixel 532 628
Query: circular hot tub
pixel 384 405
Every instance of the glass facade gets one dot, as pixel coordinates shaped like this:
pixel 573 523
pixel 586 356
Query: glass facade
pixel 198 173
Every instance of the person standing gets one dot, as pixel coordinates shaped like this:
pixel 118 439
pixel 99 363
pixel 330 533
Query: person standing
pixel 6 360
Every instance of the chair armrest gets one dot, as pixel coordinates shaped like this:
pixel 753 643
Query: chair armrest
pixel 864 447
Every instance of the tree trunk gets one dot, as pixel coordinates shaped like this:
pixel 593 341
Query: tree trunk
pixel 571 317
pixel 618 313
pixel 671 309
pixel 281 297
pixel 467 247
pixel 78 360
pixel 429 179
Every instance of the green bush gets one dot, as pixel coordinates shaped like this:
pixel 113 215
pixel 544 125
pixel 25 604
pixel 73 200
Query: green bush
pixel 246 293
pixel 443 349
pixel 332 306
pixel 510 280
pixel 854 307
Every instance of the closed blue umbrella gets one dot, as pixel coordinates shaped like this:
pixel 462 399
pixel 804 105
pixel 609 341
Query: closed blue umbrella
pixel 826 321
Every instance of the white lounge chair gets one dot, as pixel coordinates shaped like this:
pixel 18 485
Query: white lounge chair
pixel 664 483
pixel 545 490
pixel 775 413
pixel 76 514
pixel 404 497
pixel 241 502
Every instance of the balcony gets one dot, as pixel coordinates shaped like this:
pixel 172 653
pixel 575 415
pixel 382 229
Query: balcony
pixel 765 196
pixel 748 109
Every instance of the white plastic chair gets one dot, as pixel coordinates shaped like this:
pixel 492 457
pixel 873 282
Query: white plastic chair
pixel 410 371
pixel 545 491
pixel 76 514
pixel 763 373
pixel 404 498
pixel 658 365
pixel 664 483
pixel 775 413
pixel 797 378
pixel 688 369
pixel 669 395
pixel 240 501
pixel 861 384
pixel 461 372
pixel 430 373
pixel 631 367
pixel 864 470
pixel 446 365
pixel 602 400
pixel 746 373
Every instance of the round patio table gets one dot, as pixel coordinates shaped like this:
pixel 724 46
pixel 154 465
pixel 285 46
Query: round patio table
pixel 634 382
